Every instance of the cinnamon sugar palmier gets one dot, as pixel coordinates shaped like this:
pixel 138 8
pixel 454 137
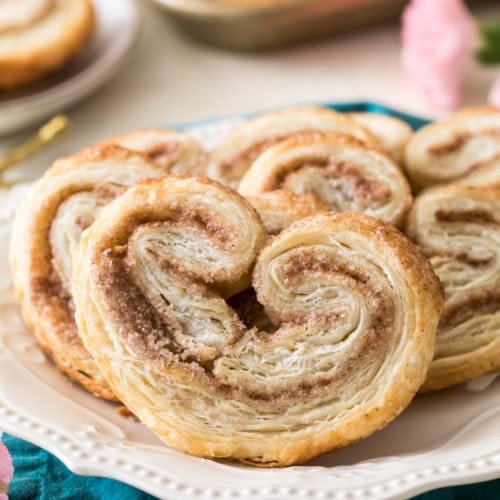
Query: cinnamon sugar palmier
pixel 392 132
pixel 175 152
pixel 46 229
pixel 240 148
pixel 450 149
pixel 281 208
pixel 39 36
pixel 354 302
pixel 458 228
pixel 339 170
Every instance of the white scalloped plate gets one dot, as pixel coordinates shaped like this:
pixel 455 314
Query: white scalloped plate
pixel 444 438
pixel 116 30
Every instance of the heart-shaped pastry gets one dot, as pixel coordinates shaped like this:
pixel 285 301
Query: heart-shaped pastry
pixel 354 304
pixel 46 230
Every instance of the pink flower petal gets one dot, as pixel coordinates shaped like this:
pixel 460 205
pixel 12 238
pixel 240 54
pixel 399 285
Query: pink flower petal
pixel 494 94
pixel 438 41
pixel 6 469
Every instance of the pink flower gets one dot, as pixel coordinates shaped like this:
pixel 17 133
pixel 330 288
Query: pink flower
pixel 6 471
pixel 494 94
pixel 438 42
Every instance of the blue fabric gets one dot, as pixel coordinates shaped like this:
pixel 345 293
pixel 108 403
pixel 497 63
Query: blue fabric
pixel 40 475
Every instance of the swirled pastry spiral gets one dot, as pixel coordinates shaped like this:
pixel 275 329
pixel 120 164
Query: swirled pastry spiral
pixel 392 132
pixel 281 208
pixel 355 303
pixel 338 169
pixel 46 230
pixel 233 156
pixel 38 36
pixel 458 228
pixel 175 152
pixel 450 149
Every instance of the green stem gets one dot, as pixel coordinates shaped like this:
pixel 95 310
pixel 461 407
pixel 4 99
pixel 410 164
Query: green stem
pixel 489 31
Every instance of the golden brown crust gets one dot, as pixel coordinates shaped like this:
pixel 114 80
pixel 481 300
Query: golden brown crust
pixel 355 303
pixel 338 169
pixel 46 229
pixel 280 208
pixel 451 149
pixel 175 152
pixel 392 132
pixel 242 146
pixel 30 54
pixel 458 228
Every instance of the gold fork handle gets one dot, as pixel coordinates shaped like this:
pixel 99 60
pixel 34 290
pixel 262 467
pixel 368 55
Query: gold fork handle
pixel 46 134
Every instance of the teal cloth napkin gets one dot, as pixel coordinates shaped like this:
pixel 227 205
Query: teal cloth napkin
pixel 40 475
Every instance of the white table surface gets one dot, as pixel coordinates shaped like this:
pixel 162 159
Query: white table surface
pixel 170 78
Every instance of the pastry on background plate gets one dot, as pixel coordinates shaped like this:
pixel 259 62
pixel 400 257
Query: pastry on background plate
pixel 39 36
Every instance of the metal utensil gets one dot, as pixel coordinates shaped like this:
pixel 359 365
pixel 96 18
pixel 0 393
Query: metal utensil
pixel 45 135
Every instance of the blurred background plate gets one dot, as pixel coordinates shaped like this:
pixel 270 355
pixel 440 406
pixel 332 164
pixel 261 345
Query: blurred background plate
pixel 116 30
pixel 266 24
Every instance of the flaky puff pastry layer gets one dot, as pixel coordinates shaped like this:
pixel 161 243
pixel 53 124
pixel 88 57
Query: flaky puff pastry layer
pixel 392 132
pixel 339 170
pixel 280 208
pixel 46 230
pixel 39 36
pixel 355 305
pixel 242 146
pixel 175 152
pixel 453 148
pixel 458 228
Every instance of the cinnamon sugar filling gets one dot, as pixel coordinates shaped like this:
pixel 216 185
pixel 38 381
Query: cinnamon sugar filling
pixel 152 333
pixel 474 216
pixel 165 153
pixel 476 302
pixel 235 167
pixel 48 286
pixel 458 140
pixel 355 186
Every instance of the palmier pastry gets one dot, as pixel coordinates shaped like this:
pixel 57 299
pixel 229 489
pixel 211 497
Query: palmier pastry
pixel 451 149
pixel 233 156
pixel 38 36
pixel 338 169
pixel 485 175
pixel 281 208
pixel 46 229
pixel 355 303
pixel 392 132
pixel 458 228
pixel 175 152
